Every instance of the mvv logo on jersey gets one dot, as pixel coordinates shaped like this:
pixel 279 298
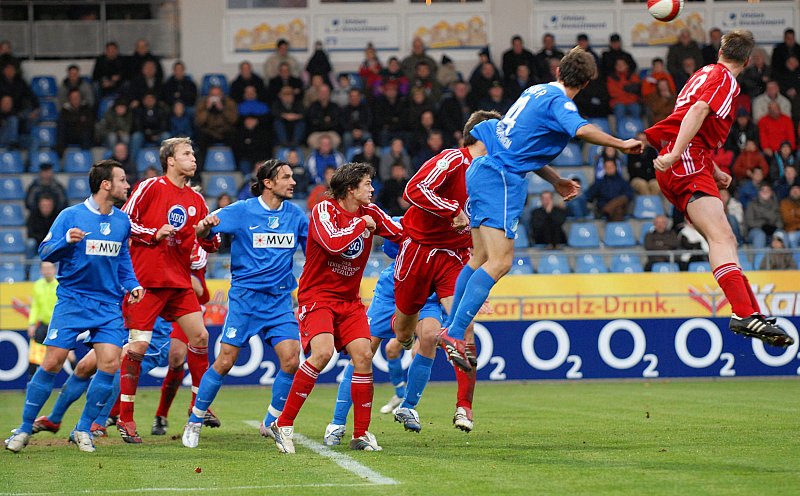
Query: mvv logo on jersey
pixel 103 248
pixel 273 240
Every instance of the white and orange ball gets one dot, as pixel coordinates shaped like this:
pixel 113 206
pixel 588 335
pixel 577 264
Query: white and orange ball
pixel 665 10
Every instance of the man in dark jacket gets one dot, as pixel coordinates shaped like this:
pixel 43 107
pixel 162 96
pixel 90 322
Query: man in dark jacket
pixel 611 193
pixel 660 239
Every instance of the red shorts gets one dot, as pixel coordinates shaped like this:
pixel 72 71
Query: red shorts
pixel 692 173
pixel 177 333
pixel 169 303
pixel 346 320
pixel 421 270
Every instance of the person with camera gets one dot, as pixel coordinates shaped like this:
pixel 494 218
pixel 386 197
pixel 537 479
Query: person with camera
pixel 216 119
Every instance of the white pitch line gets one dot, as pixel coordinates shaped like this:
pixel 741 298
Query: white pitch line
pixel 340 459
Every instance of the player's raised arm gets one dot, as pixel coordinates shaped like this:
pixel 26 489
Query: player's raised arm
pixel 421 190
pixel 335 237
pixel 58 243
pixel 596 136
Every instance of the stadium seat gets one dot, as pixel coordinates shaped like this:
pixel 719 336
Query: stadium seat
pixel 12 272
pixel 646 227
pixel 570 157
pixel 521 237
pixel 625 263
pixel 757 259
pixel 553 263
pixel 352 152
pixel 12 241
pixel 77 161
pixel 594 152
pixel 283 153
pixel 354 79
pixel 34 271
pixel 629 127
pixel 48 111
pixel 78 188
pixel 746 265
pixel 619 234
pixel 537 185
pixel 665 267
pixel 11 162
pixel 46 135
pixel 221 268
pixel 374 267
pixel 602 123
pixel 11 189
pixel 583 235
pixel 210 80
pixel 44 86
pixel 222 183
pixel 11 215
pixel 647 207
pixel 521 266
pixel 219 159
pixel 590 264
pixel 147 157
pixel 699 267
pixel 105 104
pixel 44 157
pixel 579 176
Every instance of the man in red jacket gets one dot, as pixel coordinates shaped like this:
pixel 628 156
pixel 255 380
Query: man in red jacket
pixel 775 128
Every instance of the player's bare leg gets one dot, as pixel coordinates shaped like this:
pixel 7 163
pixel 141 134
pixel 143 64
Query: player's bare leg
pixel 169 387
pixel 361 391
pixel 75 386
pixel 708 216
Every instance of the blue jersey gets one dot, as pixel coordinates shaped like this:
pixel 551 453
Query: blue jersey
pixel 264 242
pixel 534 130
pixel 97 267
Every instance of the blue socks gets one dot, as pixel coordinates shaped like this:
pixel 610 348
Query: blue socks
pixel 475 294
pixel 418 375
pixel 280 392
pixel 396 376
pixel 102 416
pixel 70 392
pixel 461 285
pixel 39 390
pixel 343 399
pixel 206 392
pixel 98 395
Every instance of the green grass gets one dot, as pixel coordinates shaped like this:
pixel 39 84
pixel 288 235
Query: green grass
pixel 663 437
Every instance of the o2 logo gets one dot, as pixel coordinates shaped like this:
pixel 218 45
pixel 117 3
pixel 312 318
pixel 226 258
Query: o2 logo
pixel 355 249
pixel 177 216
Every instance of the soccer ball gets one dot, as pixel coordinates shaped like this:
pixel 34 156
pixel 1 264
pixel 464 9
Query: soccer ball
pixel 665 10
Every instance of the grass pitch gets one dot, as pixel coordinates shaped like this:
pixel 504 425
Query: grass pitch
pixel 663 437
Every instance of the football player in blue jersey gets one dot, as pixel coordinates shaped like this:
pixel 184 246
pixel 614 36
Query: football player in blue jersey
pixel 267 230
pixel 531 134
pixel 90 240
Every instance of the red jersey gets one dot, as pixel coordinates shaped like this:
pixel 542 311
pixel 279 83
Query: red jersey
pixel 436 193
pixel 199 263
pixel 713 84
pixel 337 251
pixel 165 264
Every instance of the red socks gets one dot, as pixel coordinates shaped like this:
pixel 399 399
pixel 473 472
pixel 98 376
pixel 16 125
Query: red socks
pixel 736 288
pixel 197 359
pixel 361 390
pixel 129 380
pixel 169 388
pixel 466 387
pixel 302 385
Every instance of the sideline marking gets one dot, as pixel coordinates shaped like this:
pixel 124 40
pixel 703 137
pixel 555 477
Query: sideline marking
pixel 340 459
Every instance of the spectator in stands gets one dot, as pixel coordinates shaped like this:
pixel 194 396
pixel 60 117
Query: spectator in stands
pixel 6 55
pixel 521 80
pixel 753 80
pixel 395 155
pixel 742 130
pixel 75 123
pixel 790 213
pixel 370 71
pixel 300 175
pixel 251 143
pixel 783 51
pixel 324 155
pixel 624 88
pixel 784 183
pixel 775 128
pixel 323 117
pixel 146 81
pixel 149 173
pixel 320 191
pixel 26 104
pixel 251 105
pixel 40 219
pixel 283 79
pixel 778 258
pixel 592 101
pixel 409 64
pixel 390 114
pixel 482 80
pixel 135 63
pixel 734 213
pixel 661 102
pixel 223 200
pixel 641 173
pixel 454 112
pixel 179 88
pixel 543 56
pixel 74 81
pixel 611 194
pixel 116 124
pixel 684 48
pixel 46 184
pixel 607 153
pixel 247 77
pixel 711 49
pixel 789 79
pixel 120 153
pixel 319 64
pixel 369 155
pixel 496 99
pixel 447 75
pixel 249 180
pixel 422 129
pixel 762 217
pixel 9 123
pixel 391 196
pixel 660 239
pixel 582 40
pixel 356 120
pixel 691 240
pixel 749 189
pixel 215 119
pixel 424 78
pixel 311 93
pixel 433 146
pixel 608 62
pixel 418 104
pixel 180 123
pixel 108 71
pixel 653 75
pixel 394 73
pixel 780 161
pixel 748 160
pixel 281 55
pixel 289 120
pixel 688 67
pixel 340 92
pixel 150 124
pixel 516 56
pixel 772 93
pixel 547 223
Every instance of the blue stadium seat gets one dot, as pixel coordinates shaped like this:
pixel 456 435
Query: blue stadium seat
pixel 78 188
pixel 602 123
pixel 537 185
pixel 625 263
pixel 352 152
pixel 210 80
pixel 222 183
pixel 48 111
pixel 12 272
pixel 374 267
pixel 46 135
pixel 221 268
pixel 590 264
pixel 12 241
pixel 594 152
pixel 354 79
pixel 629 127
pixel 521 266
pixel 282 153
pixel 743 255
pixel 11 215
pixel 647 207
pixel 579 176
pixel 11 189
pixel 220 159
pixel 619 234
pixel 34 271
pixel 44 157
pixel 757 259
pixel 105 104
pixel 699 267
pixel 570 157
pixel 147 157
pixel 44 86
pixel 583 235
pixel 77 161
pixel 11 162
pixel 646 227
pixel 521 237
pixel 553 263
pixel 745 264
pixel 665 267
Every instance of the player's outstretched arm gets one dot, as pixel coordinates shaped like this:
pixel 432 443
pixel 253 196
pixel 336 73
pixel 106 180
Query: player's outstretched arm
pixel 567 188
pixel 203 228
pixel 596 136
pixel 690 124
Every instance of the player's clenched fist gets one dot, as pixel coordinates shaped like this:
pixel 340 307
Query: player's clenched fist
pixel 75 235
pixel 165 231
pixel 203 228
pixel 460 221
pixel 632 146
pixel 370 222
pixel 136 295
pixel 663 162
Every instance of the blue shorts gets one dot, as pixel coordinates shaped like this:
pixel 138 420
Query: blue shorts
pixel 252 312
pixel 158 351
pixel 74 315
pixel 381 311
pixel 496 196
